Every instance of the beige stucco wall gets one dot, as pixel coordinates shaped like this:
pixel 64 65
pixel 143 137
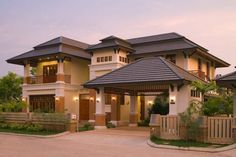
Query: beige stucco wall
pixel 125 109
pixel 71 105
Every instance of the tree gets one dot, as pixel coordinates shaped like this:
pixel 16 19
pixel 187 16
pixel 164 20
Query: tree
pixel 204 87
pixel 10 87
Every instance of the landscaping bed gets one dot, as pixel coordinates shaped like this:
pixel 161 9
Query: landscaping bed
pixel 184 143
pixel 31 129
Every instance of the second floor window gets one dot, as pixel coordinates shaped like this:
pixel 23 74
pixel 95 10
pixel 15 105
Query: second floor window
pixel 199 64
pixel 104 59
pixel 208 69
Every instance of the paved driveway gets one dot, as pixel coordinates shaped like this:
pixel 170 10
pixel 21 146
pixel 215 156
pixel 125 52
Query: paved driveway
pixel 99 143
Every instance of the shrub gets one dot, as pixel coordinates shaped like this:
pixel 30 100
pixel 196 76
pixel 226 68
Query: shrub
pixel 110 125
pixel 86 127
pixel 159 107
pixel 34 128
pixel 144 122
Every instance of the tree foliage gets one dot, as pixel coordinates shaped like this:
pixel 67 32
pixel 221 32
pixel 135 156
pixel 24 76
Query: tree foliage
pixel 10 87
pixel 159 107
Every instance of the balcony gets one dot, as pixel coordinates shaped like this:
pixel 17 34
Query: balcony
pixel 46 79
pixel 200 74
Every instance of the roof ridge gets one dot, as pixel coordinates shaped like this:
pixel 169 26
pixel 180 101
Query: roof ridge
pixel 179 36
pixel 163 61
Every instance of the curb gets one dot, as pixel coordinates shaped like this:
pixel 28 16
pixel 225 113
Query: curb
pixel 36 136
pixel 197 149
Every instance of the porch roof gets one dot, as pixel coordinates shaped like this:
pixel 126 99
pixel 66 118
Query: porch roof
pixel 147 71
pixel 228 80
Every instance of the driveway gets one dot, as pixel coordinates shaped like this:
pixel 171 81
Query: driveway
pixel 98 143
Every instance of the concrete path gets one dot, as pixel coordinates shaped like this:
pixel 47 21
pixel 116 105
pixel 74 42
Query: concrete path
pixel 98 143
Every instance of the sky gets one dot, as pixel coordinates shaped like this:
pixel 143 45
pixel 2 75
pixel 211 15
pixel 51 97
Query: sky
pixel 26 23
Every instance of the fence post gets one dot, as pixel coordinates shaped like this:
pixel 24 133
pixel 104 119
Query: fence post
pixel 73 123
pixel 234 129
pixel 155 125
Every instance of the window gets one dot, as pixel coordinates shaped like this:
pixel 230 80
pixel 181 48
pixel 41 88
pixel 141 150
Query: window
pixel 171 58
pixel 199 64
pixel 195 94
pixel 208 69
pixel 98 59
pixel 102 59
pixel 110 58
pixel 106 58
pixel 120 58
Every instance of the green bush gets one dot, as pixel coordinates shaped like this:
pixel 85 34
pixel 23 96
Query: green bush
pixel 12 106
pixel 26 127
pixel 218 105
pixel 86 127
pixel 144 123
pixel 110 125
pixel 159 107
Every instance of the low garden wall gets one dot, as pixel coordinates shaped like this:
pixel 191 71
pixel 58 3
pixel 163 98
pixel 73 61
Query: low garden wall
pixel 220 130
pixel 49 121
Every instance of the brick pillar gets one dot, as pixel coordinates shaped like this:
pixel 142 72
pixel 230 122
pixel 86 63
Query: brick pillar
pixel 92 104
pixel 100 117
pixel 60 104
pixel 115 109
pixel 133 118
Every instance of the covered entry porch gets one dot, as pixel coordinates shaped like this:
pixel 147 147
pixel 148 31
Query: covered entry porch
pixel 137 82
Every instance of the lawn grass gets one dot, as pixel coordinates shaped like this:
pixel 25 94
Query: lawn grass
pixel 183 143
pixel 29 132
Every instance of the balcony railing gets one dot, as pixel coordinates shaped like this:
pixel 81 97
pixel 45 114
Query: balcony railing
pixel 200 74
pixel 46 79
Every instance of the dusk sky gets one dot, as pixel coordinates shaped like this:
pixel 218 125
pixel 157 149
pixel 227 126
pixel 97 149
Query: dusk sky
pixel 26 23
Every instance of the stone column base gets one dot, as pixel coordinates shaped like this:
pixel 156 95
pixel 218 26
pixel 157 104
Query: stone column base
pixel 133 119
pixel 100 121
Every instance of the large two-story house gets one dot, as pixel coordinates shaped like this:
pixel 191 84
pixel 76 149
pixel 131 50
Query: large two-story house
pixel 117 79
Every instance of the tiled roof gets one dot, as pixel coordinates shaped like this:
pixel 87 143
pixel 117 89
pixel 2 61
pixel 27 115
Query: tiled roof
pixel 228 77
pixel 111 41
pixel 53 47
pixel 63 40
pixel 151 69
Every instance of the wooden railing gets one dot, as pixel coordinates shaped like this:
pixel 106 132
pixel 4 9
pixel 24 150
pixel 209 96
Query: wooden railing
pixel 46 79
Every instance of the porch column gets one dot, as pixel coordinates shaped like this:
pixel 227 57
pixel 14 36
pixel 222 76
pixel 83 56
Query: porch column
pixel 133 118
pixel 100 117
pixel 172 100
pixel 115 110
pixel 92 104
pixel 60 71
pixel 60 100
pixel 26 73
pixel 234 106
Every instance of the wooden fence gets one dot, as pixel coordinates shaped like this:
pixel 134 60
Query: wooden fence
pixel 50 121
pixel 220 130
pixel 169 127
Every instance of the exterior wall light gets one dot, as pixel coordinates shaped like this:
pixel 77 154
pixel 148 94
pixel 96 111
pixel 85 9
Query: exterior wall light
pixel 113 98
pixel 57 98
pixel 91 99
pixel 23 99
pixel 97 100
pixel 172 100
pixel 150 103
pixel 76 98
